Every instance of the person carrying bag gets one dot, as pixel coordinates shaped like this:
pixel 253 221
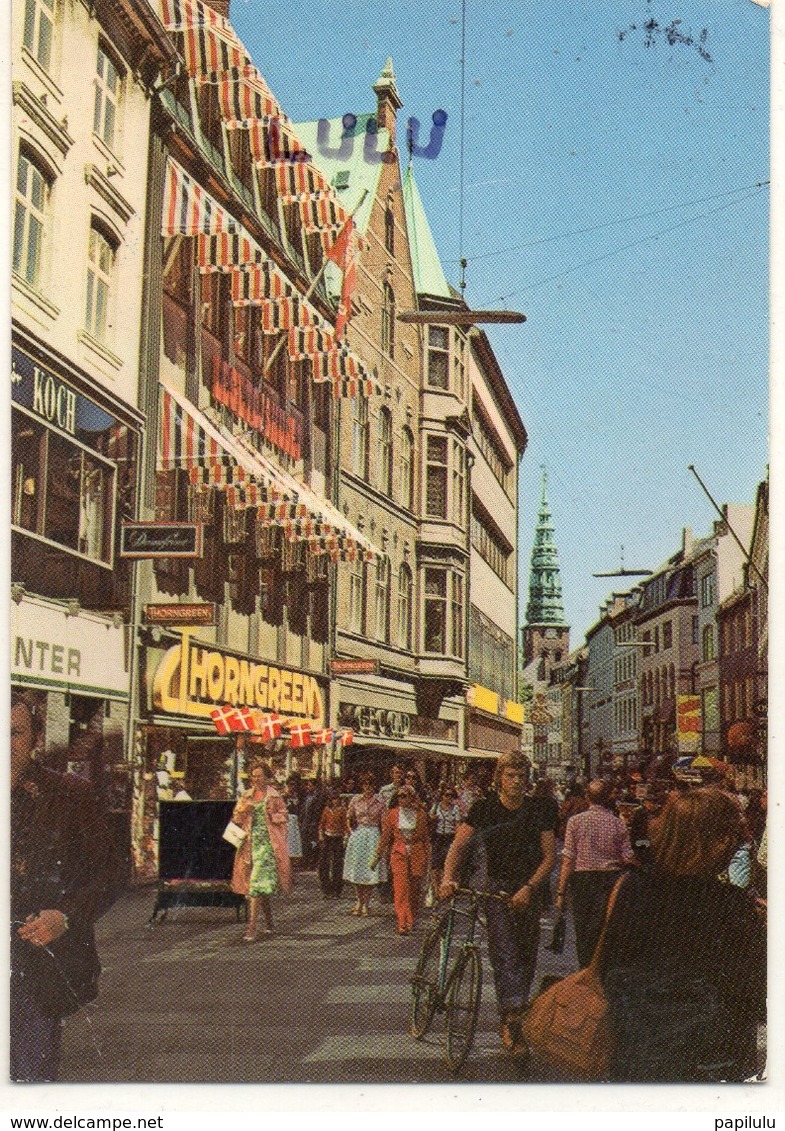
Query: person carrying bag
pixel 568 1025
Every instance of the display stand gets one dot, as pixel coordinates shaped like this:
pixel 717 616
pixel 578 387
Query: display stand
pixel 194 861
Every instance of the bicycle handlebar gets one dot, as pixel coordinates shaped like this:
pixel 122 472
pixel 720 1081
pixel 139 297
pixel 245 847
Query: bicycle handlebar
pixel 502 896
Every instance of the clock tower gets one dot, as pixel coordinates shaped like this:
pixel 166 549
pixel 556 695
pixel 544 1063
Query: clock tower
pixel 546 634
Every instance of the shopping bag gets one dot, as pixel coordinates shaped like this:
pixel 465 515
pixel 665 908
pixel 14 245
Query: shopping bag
pixel 234 834
pixel 568 1027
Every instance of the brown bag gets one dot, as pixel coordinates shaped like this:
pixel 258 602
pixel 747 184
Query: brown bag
pixel 567 1026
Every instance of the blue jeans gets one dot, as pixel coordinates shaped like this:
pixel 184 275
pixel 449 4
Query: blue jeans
pixel 513 943
pixel 36 1039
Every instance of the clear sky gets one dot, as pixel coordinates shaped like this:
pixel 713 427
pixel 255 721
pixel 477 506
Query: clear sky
pixel 609 177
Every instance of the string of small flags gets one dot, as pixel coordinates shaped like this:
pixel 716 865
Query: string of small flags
pixel 266 727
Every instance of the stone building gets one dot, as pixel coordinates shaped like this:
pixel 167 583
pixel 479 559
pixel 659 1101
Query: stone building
pixel 82 79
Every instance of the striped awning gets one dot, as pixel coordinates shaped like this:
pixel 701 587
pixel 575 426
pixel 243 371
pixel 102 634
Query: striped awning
pixel 188 208
pixel 214 458
pixel 210 43
pixel 243 95
pixel 227 251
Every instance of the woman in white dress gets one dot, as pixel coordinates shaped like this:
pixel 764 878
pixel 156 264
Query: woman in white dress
pixel 292 798
pixel 364 824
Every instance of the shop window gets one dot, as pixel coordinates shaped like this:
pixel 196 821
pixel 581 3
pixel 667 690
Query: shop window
pixel 438 357
pixel 407 468
pixel 108 84
pixel 388 320
pixel 405 607
pixel 100 271
pixel 30 205
pixel 38 30
pixel 436 610
pixel 382 600
pixel 385 454
pixel 61 491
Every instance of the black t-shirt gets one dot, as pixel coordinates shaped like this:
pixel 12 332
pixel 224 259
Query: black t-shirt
pixel 512 838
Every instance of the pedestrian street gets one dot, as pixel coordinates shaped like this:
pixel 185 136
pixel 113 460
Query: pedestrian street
pixel 326 999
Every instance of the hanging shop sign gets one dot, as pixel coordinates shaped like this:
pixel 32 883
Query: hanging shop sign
pixel 161 540
pixel 179 614
pixel 193 678
pixel 354 667
pixel 688 722
pixel 57 646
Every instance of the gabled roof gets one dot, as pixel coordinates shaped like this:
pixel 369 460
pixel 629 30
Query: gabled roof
pixel 341 156
pixel 429 276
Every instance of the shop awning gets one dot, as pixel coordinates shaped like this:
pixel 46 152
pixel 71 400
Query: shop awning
pixel 214 458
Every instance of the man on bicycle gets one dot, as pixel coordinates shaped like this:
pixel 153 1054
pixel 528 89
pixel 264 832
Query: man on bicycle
pixel 517 849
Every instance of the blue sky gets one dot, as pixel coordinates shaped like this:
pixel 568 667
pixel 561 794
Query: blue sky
pixel 609 194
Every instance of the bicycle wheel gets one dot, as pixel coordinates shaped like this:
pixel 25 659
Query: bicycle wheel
pixel 464 991
pixel 426 979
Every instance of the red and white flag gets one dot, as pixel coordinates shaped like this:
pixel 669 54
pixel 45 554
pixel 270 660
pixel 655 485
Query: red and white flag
pixel 347 737
pixel 300 734
pixel 321 737
pixel 221 717
pixel 229 719
pixel 344 253
pixel 269 727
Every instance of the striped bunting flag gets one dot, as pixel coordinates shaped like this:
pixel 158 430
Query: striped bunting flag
pixel 188 209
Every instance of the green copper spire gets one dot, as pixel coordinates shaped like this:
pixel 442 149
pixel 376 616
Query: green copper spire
pixel 545 600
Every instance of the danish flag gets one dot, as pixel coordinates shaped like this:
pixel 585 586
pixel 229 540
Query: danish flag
pixel 347 738
pixel 321 737
pixel 300 734
pixel 230 719
pixel 269 727
pixel 344 253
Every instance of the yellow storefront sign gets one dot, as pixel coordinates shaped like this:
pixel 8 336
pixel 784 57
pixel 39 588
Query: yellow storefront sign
pixel 193 678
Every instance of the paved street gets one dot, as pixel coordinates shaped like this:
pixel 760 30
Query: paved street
pixel 326 999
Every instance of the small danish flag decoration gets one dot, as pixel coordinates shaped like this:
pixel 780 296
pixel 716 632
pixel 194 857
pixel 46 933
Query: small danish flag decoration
pixel 228 719
pixel 269 727
pixel 300 735
pixel 321 737
pixel 347 737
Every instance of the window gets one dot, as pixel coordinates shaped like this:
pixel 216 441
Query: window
pixel 436 610
pixel 708 650
pixel 388 321
pixel 389 229
pixel 667 635
pixel 491 448
pixel 458 483
pixel 62 491
pixel 382 601
pixel 356 595
pixel 385 454
pixel 490 545
pixel 459 365
pixel 707 590
pixel 436 477
pixel 438 357
pixel 457 615
pixel 407 468
pixel 695 629
pixel 39 24
pixel 360 437
pixel 405 607
pixel 107 96
pixel 100 266
pixel 32 191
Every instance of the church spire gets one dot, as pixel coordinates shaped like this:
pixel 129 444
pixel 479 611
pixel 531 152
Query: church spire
pixel 545 599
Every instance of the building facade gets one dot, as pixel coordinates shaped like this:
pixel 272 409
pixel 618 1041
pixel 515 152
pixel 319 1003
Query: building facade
pixel 82 79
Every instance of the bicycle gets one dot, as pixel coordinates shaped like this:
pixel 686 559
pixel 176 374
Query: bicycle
pixel 455 990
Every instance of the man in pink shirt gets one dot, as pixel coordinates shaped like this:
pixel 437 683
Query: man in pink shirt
pixel 596 848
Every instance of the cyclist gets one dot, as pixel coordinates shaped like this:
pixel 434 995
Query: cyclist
pixel 516 849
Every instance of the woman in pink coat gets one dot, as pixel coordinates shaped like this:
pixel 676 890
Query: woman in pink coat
pixel 405 836
pixel 261 865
